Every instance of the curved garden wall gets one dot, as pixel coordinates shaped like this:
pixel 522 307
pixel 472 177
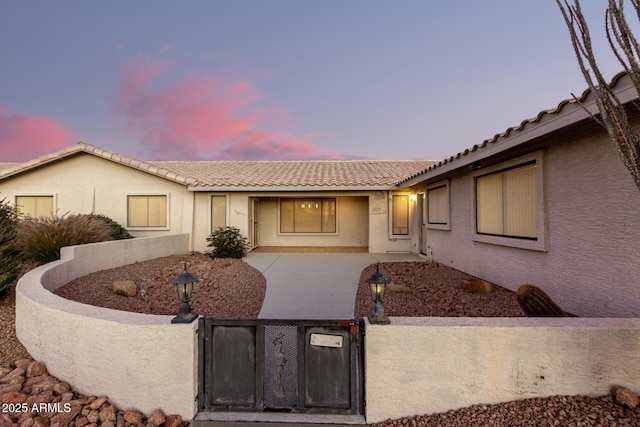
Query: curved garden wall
pixel 140 361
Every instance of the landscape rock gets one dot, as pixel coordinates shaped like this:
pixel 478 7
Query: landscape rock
pixel 625 397
pixel 157 418
pixel 396 287
pixel 97 403
pixel 11 376
pixel 173 421
pixel 107 414
pixel 36 369
pixel 127 288
pixel 23 363
pixel 13 397
pixel 478 286
pixel 133 417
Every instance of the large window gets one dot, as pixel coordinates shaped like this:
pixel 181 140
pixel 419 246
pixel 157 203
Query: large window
pixel 35 206
pixel 438 205
pixel 506 202
pixel 147 211
pixel 400 224
pixel 218 212
pixel 308 215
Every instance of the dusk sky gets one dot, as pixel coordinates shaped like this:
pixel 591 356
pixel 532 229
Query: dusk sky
pixel 281 79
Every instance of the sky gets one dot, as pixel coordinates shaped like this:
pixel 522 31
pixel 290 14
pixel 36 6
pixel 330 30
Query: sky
pixel 281 79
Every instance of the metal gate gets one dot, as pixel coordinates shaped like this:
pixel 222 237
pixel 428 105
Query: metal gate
pixel 279 365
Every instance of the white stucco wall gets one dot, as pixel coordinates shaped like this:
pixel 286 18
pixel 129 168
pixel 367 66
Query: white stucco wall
pixel 430 365
pixel 140 361
pixel 592 264
pixel 85 183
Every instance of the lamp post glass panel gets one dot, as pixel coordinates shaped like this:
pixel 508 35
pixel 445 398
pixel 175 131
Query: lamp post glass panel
pixel 377 284
pixel 184 285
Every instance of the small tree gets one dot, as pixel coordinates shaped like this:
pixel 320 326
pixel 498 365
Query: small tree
pixel 8 252
pixel 227 243
pixel 627 50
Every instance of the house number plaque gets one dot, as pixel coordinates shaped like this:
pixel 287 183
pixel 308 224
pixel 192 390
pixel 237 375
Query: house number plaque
pixel 322 340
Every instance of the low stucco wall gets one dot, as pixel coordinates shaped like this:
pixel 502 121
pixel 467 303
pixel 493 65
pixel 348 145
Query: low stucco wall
pixel 140 361
pixel 430 365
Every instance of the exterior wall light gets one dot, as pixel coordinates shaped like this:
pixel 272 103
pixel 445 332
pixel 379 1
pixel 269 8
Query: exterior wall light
pixel 378 284
pixel 184 285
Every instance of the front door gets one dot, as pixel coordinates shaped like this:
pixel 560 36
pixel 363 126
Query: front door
pixel 254 222
pixel 422 215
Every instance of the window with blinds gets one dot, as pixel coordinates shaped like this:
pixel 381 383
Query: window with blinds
pixel 147 211
pixel 308 215
pixel 400 222
pixel 506 202
pixel 438 205
pixel 35 206
pixel 218 212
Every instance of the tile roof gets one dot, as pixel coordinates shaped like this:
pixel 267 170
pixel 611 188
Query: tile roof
pixel 5 165
pixel 319 173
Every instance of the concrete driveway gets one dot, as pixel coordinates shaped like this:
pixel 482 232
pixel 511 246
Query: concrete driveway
pixel 314 285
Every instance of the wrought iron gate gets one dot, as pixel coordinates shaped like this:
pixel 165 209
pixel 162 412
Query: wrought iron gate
pixel 279 365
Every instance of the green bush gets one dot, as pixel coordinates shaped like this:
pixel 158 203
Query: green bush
pixel 40 239
pixel 9 256
pixel 117 231
pixel 227 243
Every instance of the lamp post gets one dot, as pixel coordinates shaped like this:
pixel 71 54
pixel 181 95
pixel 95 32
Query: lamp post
pixel 184 285
pixel 378 283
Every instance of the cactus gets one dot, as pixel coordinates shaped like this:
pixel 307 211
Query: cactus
pixel 536 303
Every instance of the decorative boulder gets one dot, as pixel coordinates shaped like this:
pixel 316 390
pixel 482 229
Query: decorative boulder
pixel 124 287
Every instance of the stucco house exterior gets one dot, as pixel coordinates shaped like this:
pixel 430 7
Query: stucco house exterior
pixel 548 202
pixel 343 204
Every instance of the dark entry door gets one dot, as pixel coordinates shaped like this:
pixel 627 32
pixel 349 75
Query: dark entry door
pixel 296 366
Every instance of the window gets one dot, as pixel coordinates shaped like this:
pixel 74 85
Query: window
pixel 506 202
pixel 35 206
pixel 307 215
pixel 147 211
pixel 218 212
pixel 438 205
pixel 400 214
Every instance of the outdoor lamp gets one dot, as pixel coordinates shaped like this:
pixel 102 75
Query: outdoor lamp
pixel 184 284
pixel 378 283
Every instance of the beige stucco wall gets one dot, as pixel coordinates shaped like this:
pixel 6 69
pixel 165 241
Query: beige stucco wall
pixel 140 361
pixel 430 365
pixel 592 207
pixel 85 183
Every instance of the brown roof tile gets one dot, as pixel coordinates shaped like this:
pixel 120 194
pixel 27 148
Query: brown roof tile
pixel 319 173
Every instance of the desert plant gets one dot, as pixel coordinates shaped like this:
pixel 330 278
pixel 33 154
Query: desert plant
pixel 118 232
pixel 40 239
pixel 9 256
pixel 227 243
pixel 536 303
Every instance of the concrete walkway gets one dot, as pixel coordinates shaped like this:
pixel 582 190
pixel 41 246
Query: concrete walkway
pixel 314 285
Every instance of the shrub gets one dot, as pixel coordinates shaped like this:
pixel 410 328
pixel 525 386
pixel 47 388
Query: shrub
pixel 227 243
pixel 9 256
pixel 117 231
pixel 40 239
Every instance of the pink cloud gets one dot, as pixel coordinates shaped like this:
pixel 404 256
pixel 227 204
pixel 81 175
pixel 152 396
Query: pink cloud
pixel 24 137
pixel 204 117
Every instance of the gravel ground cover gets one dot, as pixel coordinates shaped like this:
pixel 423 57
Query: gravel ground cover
pixel 231 289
